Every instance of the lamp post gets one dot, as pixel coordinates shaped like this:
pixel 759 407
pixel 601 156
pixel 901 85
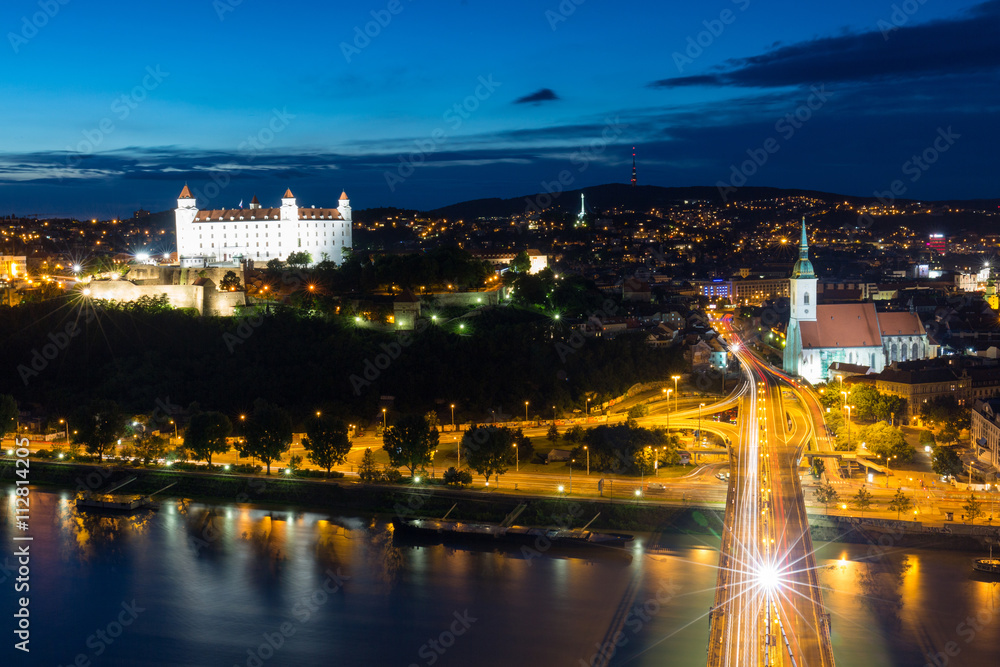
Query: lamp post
pixel 844 403
pixel 675 378
pixel 175 427
pixel 700 406
pixel 517 460
pixel 452 416
pixel 588 458
pixel 588 408
pixel 848 425
pixel 887 471
pixel 385 421
pixel 571 475
pixel 526 412
pixel 553 415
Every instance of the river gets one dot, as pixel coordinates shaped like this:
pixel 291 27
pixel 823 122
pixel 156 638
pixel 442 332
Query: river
pixel 228 584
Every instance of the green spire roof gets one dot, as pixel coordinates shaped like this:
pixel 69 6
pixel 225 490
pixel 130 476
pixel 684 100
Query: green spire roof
pixel 803 268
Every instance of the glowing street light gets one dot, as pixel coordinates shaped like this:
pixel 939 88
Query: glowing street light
pixel 526 411
pixel 588 458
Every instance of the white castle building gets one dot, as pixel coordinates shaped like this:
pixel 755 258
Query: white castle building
pixel 261 234
pixel 853 333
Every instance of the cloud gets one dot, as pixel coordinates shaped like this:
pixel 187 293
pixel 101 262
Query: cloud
pixel 543 95
pixel 889 52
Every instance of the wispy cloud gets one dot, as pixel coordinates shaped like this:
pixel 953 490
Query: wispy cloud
pixel 537 97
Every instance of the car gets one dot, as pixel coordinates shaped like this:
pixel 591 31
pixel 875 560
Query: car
pixel 655 487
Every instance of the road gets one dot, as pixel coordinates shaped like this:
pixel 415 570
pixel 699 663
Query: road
pixel 768 607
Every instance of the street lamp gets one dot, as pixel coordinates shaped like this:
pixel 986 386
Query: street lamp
pixel 526 412
pixel 848 425
pixel 553 415
pixel 571 475
pixel 384 420
pixel 675 378
pixel 517 460
pixel 887 471
pixel 588 458
pixel 175 427
pixel 700 406
pixel 845 400
pixel 452 416
pixel 588 408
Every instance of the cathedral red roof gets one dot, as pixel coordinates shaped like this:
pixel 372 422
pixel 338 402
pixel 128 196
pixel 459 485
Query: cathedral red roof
pixel 842 325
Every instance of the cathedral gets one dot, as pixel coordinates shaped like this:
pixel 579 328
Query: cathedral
pixel 854 333
pixel 261 234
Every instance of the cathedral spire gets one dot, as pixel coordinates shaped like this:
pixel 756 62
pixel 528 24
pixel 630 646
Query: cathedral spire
pixel 804 244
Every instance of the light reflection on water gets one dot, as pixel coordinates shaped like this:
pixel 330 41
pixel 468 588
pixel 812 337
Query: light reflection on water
pixel 214 581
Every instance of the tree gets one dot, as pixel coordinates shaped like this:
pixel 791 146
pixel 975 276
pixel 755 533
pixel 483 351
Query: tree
pixel 818 466
pixel 268 433
pixel 951 432
pixel 8 414
pixel 862 500
pixel 326 442
pixel 636 411
pixel 973 508
pixel 98 426
pixel 410 442
pixel 521 263
pixel 299 260
pixel 946 461
pixel 149 448
pixel 553 434
pixel 457 477
pixel 900 502
pixel 368 472
pixel 827 495
pixel 231 282
pixel 490 449
pixel 574 434
pixel 885 441
pixel 207 435
pixel 432 419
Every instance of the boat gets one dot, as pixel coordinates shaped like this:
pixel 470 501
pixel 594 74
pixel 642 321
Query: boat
pixel 118 502
pixel 989 565
pixel 506 531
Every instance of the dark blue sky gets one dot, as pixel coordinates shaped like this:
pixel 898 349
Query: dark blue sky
pixel 110 106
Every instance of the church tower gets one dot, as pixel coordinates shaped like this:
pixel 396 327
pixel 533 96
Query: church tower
pixel 802 297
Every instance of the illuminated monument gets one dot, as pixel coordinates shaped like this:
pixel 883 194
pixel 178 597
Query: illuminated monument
pixel 853 333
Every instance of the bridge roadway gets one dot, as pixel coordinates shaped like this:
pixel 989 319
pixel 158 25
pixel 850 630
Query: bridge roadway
pixel 768 608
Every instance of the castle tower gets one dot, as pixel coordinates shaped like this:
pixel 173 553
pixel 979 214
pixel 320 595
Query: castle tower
pixel 254 203
pixel 184 215
pixel 344 206
pixel 289 209
pixel 802 296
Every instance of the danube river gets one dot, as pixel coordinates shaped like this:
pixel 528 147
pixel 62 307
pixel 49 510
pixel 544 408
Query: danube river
pixel 229 584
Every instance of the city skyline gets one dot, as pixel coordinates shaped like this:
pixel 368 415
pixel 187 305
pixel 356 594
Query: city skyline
pixel 424 111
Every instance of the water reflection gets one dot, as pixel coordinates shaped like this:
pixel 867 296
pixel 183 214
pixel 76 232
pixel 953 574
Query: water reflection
pixel 90 532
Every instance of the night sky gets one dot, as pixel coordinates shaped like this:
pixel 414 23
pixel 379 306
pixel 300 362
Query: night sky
pixel 111 106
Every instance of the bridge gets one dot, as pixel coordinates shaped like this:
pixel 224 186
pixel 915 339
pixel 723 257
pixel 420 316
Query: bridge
pixel 768 607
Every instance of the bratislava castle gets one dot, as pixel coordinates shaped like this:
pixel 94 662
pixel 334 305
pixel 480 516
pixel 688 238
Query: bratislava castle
pixel 261 234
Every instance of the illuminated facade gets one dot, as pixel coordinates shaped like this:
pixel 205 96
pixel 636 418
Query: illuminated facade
pixel 261 234
pixel 853 333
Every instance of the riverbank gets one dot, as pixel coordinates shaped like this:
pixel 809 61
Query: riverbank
pixel 408 501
